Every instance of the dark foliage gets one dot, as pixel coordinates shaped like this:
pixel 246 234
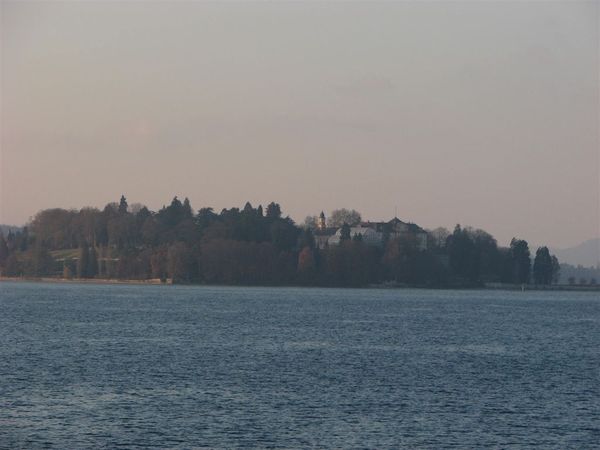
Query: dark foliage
pixel 250 246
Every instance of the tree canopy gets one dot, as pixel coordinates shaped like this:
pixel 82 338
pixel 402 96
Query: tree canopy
pixel 252 246
pixel 339 217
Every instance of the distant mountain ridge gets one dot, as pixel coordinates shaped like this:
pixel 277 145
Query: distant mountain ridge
pixel 586 254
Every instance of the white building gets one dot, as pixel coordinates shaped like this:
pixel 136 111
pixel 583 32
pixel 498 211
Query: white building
pixel 369 236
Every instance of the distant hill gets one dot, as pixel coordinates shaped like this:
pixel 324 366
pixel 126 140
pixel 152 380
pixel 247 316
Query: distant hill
pixel 4 229
pixel 586 254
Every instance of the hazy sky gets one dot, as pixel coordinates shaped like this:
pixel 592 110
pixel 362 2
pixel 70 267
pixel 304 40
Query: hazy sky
pixel 479 113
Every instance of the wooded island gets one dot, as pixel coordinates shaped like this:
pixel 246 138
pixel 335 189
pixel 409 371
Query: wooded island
pixel 252 246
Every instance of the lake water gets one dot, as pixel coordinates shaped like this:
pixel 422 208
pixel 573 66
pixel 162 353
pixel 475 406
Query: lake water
pixel 170 366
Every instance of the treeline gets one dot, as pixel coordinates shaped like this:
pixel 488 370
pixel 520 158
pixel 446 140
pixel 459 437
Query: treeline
pixel 580 275
pixel 252 246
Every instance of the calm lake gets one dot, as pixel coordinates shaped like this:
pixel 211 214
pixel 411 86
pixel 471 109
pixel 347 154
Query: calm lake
pixel 85 366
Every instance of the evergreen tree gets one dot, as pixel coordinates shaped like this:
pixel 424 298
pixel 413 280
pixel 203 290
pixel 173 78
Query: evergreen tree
pixel 306 239
pixel 248 209
pixel 10 241
pixel 41 261
pixel 521 261
pixel 143 214
pixel 273 211
pixel 205 217
pixel 284 234
pixel 3 250
pixel 92 266
pixel 345 233
pixel 123 206
pixel 173 213
pixel 542 266
pixel 83 261
pixel 245 247
pixel 187 209
pixel 23 239
pixel 463 256
pixel 12 266
pixel 555 270
pixel 102 266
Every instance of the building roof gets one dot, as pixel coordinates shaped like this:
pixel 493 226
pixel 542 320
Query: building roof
pixel 329 231
pixel 412 227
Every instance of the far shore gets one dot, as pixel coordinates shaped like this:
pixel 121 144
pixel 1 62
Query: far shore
pixel 157 281
pixel 152 281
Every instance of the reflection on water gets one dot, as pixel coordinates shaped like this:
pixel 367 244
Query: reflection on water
pixel 169 366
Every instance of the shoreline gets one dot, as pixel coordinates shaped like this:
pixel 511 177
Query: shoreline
pixel 151 281
pixel 169 282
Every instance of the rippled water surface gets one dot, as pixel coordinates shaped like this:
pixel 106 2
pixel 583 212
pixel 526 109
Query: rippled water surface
pixel 166 366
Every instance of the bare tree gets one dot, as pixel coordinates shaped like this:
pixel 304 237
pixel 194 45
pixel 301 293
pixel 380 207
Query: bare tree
pixel 339 217
pixel 310 222
pixel 438 237
pixel 135 208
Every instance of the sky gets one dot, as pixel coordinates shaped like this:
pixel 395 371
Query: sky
pixel 479 113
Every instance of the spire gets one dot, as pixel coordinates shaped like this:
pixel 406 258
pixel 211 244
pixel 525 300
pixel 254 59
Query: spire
pixel 321 222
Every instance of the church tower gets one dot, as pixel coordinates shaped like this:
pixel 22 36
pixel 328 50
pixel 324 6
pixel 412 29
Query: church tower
pixel 321 225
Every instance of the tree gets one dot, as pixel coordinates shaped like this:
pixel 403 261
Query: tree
pixel 273 210
pixel 306 239
pixel 23 239
pixel 438 238
pixel 246 247
pixel 306 265
pixel 123 231
pixel 345 233
pixel 140 218
pixel 284 234
pixel 187 209
pixel 83 261
pixel 172 214
pixel 205 217
pixel 463 256
pixel 122 206
pixel 310 222
pixel 158 263
pixel 38 262
pixel 180 263
pixel 486 254
pixel 521 261
pixel 248 209
pixel 69 268
pixel 92 265
pixel 60 229
pixel 12 266
pixel 135 208
pixel 238 262
pixel 555 270
pixel 340 216
pixel 86 226
pixel 542 266
pixel 351 264
pixel 404 263
pixel 3 250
